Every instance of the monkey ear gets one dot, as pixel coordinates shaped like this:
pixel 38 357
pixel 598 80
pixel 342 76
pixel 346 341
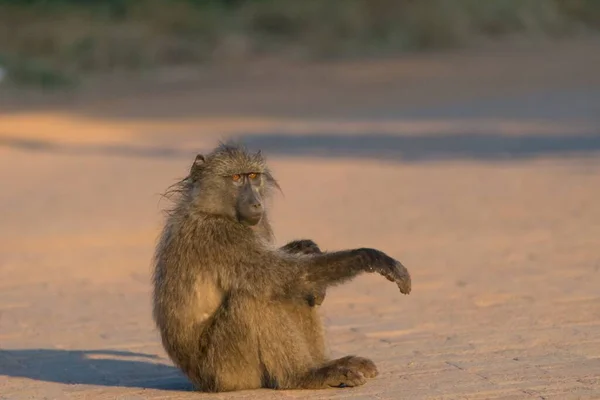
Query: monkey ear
pixel 198 162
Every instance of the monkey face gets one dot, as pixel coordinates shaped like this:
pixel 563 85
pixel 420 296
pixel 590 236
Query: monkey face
pixel 249 204
pixel 229 182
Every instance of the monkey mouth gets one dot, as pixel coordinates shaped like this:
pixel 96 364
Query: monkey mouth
pixel 250 220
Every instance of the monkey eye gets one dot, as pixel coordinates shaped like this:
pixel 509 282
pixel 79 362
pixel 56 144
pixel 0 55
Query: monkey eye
pixel 236 177
pixel 252 175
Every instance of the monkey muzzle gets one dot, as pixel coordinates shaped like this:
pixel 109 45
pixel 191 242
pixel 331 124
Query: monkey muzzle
pixel 249 208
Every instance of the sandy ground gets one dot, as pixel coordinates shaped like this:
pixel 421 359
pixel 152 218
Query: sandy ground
pixel 479 171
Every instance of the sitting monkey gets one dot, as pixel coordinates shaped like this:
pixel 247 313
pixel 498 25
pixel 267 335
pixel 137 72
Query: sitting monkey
pixel 234 311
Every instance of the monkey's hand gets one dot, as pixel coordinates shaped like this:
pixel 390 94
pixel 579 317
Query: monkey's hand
pixel 304 246
pixel 392 270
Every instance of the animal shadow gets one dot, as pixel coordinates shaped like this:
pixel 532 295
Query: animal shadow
pixel 93 367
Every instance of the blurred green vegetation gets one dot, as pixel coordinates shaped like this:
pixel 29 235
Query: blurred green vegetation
pixel 50 42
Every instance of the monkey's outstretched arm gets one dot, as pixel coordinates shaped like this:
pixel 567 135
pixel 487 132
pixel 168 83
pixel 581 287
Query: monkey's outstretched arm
pixel 260 271
pixel 337 267
pixel 329 269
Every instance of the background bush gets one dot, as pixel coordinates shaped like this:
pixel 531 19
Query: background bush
pixel 47 41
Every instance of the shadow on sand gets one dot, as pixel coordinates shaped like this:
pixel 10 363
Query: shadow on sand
pixel 389 147
pixel 92 367
pixel 403 148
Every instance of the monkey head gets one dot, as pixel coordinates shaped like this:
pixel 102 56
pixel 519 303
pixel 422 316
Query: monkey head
pixel 231 182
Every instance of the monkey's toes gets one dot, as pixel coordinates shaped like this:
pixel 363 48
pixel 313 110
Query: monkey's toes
pixel 364 365
pixel 346 377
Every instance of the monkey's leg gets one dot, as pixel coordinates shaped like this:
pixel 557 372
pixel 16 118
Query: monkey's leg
pixel 310 326
pixel 292 352
pixel 229 358
pixel 285 333
pixel 308 321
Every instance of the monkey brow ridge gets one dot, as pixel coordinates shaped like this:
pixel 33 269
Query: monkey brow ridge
pixel 229 160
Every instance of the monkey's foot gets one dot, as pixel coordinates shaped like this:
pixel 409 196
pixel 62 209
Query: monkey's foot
pixel 340 373
pixel 361 364
pixel 341 376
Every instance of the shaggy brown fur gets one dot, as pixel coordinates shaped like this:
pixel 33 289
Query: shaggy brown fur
pixel 235 312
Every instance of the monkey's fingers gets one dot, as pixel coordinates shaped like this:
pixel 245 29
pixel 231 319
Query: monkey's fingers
pixel 400 276
pixel 404 285
pixel 404 282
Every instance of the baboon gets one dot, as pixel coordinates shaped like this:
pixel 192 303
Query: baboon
pixel 234 311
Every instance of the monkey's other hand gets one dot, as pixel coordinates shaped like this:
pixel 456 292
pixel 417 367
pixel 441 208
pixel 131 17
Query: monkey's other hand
pixel 304 246
pixel 392 270
pixel 317 297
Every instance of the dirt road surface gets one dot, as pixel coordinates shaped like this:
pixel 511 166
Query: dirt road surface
pixel 479 170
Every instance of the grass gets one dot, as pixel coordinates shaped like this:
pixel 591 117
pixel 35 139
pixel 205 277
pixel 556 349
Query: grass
pixel 53 42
